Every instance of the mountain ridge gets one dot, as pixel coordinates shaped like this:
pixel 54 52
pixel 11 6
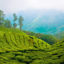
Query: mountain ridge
pixel 47 22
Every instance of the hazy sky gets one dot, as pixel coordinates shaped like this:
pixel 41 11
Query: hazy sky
pixel 23 5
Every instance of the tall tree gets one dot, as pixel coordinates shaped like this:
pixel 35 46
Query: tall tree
pixel 20 22
pixel 15 19
pixel 1 17
pixel 7 23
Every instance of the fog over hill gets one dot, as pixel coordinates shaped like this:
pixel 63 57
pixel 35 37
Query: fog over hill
pixel 42 21
pixel 41 16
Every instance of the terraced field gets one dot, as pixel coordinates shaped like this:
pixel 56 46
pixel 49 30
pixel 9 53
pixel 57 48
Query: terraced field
pixel 18 48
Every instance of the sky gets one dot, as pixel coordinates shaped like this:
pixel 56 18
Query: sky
pixel 11 6
pixel 39 15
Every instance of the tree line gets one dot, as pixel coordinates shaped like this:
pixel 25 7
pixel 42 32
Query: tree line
pixel 7 23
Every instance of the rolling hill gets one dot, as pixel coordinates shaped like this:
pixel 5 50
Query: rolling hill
pixel 16 47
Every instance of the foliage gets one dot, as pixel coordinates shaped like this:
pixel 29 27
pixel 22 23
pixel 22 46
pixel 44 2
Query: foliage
pixel 15 19
pixel 20 22
pixel 60 35
pixel 7 23
pixel 16 47
pixel 1 17
pixel 48 38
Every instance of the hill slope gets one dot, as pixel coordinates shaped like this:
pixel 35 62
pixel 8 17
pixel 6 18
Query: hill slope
pixel 10 40
pixel 18 48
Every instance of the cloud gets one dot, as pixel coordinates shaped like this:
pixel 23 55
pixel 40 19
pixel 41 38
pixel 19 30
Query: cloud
pixel 59 28
pixel 23 5
pixel 36 19
pixel 33 23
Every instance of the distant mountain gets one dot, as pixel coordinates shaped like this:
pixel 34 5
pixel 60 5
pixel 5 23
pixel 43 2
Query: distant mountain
pixel 44 21
pixel 60 35
pixel 48 22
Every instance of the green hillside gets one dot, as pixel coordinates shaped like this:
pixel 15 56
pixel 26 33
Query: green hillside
pixel 16 47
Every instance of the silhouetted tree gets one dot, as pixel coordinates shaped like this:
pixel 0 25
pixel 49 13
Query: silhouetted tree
pixel 15 19
pixel 20 22
pixel 1 17
pixel 7 23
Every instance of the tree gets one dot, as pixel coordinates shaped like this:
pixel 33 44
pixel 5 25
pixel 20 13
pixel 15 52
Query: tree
pixel 1 17
pixel 15 19
pixel 48 38
pixel 20 22
pixel 51 39
pixel 7 23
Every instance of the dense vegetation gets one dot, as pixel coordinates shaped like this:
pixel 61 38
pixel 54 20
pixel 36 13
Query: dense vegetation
pixel 51 39
pixel 23 47
pixel 7 23
pixel 16 47
pixel 60 35
pixel 18 21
